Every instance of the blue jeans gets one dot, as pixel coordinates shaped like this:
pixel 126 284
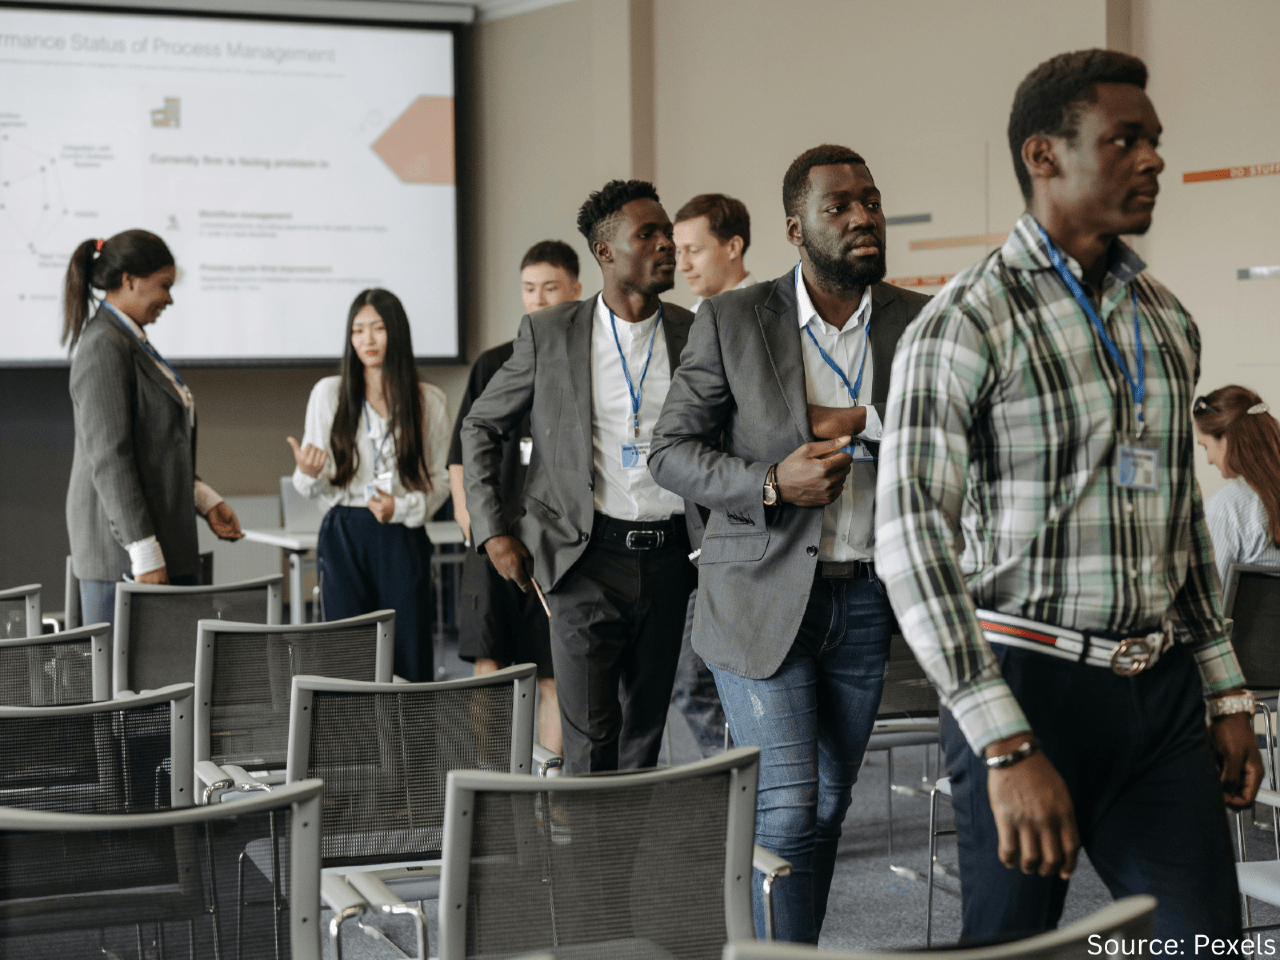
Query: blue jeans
pixel 694 693
pixel 811 721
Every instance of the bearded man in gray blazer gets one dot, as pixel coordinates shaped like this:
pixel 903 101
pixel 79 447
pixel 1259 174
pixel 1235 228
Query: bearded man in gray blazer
pixel 768 425
pixel 607 542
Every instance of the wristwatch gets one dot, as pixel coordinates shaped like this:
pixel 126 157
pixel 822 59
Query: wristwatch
pixel 771 486
pixel 1233 703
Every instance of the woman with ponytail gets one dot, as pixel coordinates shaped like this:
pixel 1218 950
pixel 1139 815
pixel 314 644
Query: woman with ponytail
pixel 374 449
pixel 1242 440
pixel 134 493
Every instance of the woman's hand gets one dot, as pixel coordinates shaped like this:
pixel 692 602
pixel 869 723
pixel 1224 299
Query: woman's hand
pixel 223 521
pixel 158 575
pixel 310 459
pixel 383 506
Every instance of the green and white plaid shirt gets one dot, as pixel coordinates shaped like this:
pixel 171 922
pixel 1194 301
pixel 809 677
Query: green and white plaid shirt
pixel 997 479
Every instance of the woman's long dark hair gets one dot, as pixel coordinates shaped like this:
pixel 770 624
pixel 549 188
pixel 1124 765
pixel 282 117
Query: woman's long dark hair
pixel 1253 443
pixel 399 386
pixel 101 265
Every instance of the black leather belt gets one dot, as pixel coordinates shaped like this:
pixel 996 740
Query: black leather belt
pixel 846 570
pixel 636 534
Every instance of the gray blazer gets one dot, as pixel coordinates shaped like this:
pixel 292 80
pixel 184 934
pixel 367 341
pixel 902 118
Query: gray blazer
pixel 737 405
pixel 133 472
pixel 549 376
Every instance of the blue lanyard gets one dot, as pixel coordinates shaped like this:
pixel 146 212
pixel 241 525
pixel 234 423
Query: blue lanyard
pixel 377 451
pixel 862 366
pixel 151 351
pixel 636 392
pixel 1139 386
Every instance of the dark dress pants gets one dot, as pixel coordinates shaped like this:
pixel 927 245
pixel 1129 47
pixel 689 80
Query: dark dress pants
pixel 1135 755
pixel 366 566
pixel 616 621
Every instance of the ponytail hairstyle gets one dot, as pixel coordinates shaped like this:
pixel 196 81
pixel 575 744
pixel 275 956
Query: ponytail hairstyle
pixel 101 265
pixel 1253 442
pixel 400 387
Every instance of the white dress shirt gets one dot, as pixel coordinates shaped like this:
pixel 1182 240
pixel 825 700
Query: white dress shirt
pixel 145 555
pixel 848 528
pixel 621 492
pixel 742 284
pixel 377 453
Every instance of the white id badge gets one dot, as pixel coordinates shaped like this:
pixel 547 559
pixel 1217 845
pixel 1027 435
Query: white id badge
pixel 526 450
pixel 381 482
pixel 1137 466
pixel 635 456
pixel 858 451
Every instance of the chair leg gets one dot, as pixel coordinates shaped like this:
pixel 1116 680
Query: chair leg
pixel 888 796
pixel 933 852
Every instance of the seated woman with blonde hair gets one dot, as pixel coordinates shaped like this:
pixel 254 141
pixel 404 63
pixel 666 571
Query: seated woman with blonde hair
pixel 1242 440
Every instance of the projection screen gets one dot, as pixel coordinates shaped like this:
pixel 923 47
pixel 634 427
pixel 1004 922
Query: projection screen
pixel 287 165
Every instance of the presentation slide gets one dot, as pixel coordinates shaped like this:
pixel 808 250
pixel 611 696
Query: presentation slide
pixel 288 166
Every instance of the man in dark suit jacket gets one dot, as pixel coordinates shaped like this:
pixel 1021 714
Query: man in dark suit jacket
pixel 607 542
pixel 767 424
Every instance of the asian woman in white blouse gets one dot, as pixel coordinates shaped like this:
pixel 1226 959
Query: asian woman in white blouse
pixel 374 449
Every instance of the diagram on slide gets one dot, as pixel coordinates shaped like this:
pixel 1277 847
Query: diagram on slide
pixel 33 203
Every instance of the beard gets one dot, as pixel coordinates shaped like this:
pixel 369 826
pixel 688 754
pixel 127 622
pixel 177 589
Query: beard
pixel 835 271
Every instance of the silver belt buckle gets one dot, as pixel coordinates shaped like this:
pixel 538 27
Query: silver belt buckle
pixel 1137 650
pixel 644 539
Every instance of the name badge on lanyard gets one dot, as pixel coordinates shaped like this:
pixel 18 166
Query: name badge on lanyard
pixel 855 449
pixel 634 454
pixel 1137 464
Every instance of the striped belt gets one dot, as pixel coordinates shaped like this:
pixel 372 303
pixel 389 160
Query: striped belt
pixel 1126 657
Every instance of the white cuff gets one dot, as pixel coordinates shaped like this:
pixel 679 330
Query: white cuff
pixel 874 429
pixel 145 556
pixel 206 497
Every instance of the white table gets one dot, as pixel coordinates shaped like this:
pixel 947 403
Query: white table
pixel 297 545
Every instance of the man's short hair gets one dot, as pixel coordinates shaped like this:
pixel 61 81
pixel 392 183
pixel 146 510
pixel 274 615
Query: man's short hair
pixel 795 185
pixel 727 217
pixel 598 216
pixel 557 253
pixel 1049 98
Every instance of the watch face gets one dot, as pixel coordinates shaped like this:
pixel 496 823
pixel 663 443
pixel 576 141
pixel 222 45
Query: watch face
pixel 770 495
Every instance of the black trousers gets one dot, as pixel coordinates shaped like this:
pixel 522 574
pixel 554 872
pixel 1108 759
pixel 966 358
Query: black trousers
pixel 366 566
pixel 1135 755
pixel 498 622
pixel 616 622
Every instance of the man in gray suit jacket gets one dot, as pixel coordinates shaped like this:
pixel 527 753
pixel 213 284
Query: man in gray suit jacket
pixel 607 542
pixel 767 424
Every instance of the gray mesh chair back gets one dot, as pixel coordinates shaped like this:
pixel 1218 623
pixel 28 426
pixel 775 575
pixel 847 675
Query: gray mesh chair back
pixel 244 679
pixel 155 629
pixel 384 751
pixel 20 612
pixel 633 866
pixel 163 885
pixel 907 691
pixel 1126 921
pixel 57 669
pixel 117 756
pixel 1251 597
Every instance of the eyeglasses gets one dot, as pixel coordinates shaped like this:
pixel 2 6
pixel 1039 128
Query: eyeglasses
pixel 1201 405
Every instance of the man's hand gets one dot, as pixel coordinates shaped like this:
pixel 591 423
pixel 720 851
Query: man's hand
pixel 158 575
pixel 813 475
pixel 310 459
pixel 1236 748
pixel 382 506
pixel 223 521
pixel 1033 812
pixel 510 558
pixel 827 423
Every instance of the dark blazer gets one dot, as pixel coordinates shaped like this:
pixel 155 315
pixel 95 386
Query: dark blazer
pixel 133 470
pixel 548 376
pixel 737 405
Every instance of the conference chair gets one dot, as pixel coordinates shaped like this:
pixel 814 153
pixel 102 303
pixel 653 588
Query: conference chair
pixel 654 864
pixel 1259 879
pixel 83 886
pixel 155 630
pixel 244 675
pixel 20 612
pixel 70 597
pixel 54 669
pixel 117 756
pixel 384 751
pixel 1124 923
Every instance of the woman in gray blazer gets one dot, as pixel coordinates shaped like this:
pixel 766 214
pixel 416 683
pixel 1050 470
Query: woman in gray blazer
pixel 134 495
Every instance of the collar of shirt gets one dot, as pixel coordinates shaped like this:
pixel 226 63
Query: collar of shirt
pixel 627 332
pixel 1025 250
pixel 136 330
pixel 807 312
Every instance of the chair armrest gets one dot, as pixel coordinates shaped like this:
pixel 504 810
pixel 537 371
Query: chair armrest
pixel 339 896
pixel 396 678
pixel 1269 798
pixel 214 779
pixel 545 761
pixel 770 864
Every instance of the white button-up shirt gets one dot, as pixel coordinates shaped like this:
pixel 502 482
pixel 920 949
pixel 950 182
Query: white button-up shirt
pixel 848 530
pixel 621 492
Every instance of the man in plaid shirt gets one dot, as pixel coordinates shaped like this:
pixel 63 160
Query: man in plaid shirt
pixel 1042 538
